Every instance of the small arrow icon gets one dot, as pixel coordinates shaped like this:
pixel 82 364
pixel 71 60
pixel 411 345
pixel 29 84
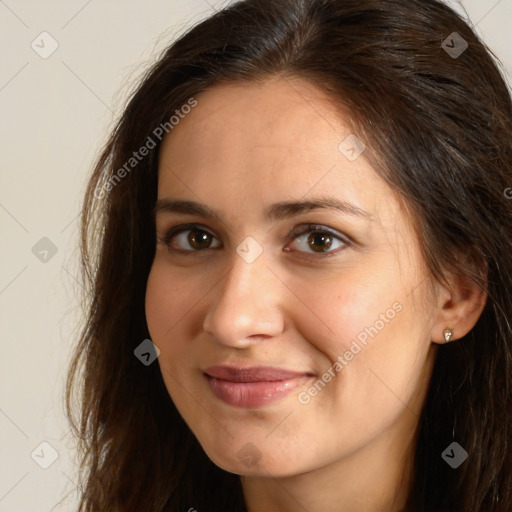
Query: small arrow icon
pixel 147 352
pixel 249 455
pixel 454 455
pixel 249 249
pixel 44 455
pixel 351 147
pixel 450 454
pixel 44 250
pixel 44 45
pixel 454 45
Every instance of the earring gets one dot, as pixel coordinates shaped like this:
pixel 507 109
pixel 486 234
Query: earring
pixel 447 335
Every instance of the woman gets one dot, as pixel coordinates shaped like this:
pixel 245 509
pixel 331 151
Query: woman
pixel 298 247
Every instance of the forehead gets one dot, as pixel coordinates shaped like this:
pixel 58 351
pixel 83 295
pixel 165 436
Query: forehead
pixel 249 144
pixel 256 119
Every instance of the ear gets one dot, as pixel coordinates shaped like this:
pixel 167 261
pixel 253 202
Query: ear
pixel 459 306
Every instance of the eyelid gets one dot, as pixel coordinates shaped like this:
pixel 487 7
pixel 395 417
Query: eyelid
pixel 311 228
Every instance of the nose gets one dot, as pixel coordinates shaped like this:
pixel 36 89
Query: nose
pixel 247 305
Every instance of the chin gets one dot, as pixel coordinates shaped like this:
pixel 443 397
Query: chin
pixel 250 461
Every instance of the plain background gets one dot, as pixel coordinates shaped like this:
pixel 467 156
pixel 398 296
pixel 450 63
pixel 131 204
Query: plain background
pixel 55 114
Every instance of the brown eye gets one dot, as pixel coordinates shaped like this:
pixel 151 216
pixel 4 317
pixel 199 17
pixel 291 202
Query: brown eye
pixel 199 239
pixel 192 239
pixel 319 241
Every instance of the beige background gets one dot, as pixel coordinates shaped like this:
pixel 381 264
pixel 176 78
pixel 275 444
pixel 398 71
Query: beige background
pixel 55 113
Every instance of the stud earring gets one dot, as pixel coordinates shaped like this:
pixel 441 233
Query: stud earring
pixel 447 335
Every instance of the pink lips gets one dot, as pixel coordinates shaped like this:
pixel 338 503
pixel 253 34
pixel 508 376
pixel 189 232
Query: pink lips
pixel 252 386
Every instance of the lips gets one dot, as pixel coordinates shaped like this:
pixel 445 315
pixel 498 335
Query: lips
pixel 252 373
pixel 252 386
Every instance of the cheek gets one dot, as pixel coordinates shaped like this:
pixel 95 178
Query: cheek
pixel 175 313
pixel 350 305
pixel 157 302
pixel 165 304
pixel 370 324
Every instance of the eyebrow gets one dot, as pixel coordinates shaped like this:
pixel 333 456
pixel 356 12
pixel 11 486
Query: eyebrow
pixel 275 212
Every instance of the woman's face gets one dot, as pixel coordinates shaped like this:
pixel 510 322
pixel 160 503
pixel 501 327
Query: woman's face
pixel 294 332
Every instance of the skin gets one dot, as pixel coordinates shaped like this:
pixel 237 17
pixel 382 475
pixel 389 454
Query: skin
pixel 241 149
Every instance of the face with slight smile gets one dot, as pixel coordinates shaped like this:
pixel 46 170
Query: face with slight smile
pixel 291 337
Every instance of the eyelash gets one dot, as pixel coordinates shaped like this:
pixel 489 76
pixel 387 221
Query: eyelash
pixel 296 233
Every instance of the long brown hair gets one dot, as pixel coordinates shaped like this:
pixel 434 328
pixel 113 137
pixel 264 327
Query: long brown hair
pixel 439 126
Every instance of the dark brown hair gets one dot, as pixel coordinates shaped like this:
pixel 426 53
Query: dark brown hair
pixel 439 126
